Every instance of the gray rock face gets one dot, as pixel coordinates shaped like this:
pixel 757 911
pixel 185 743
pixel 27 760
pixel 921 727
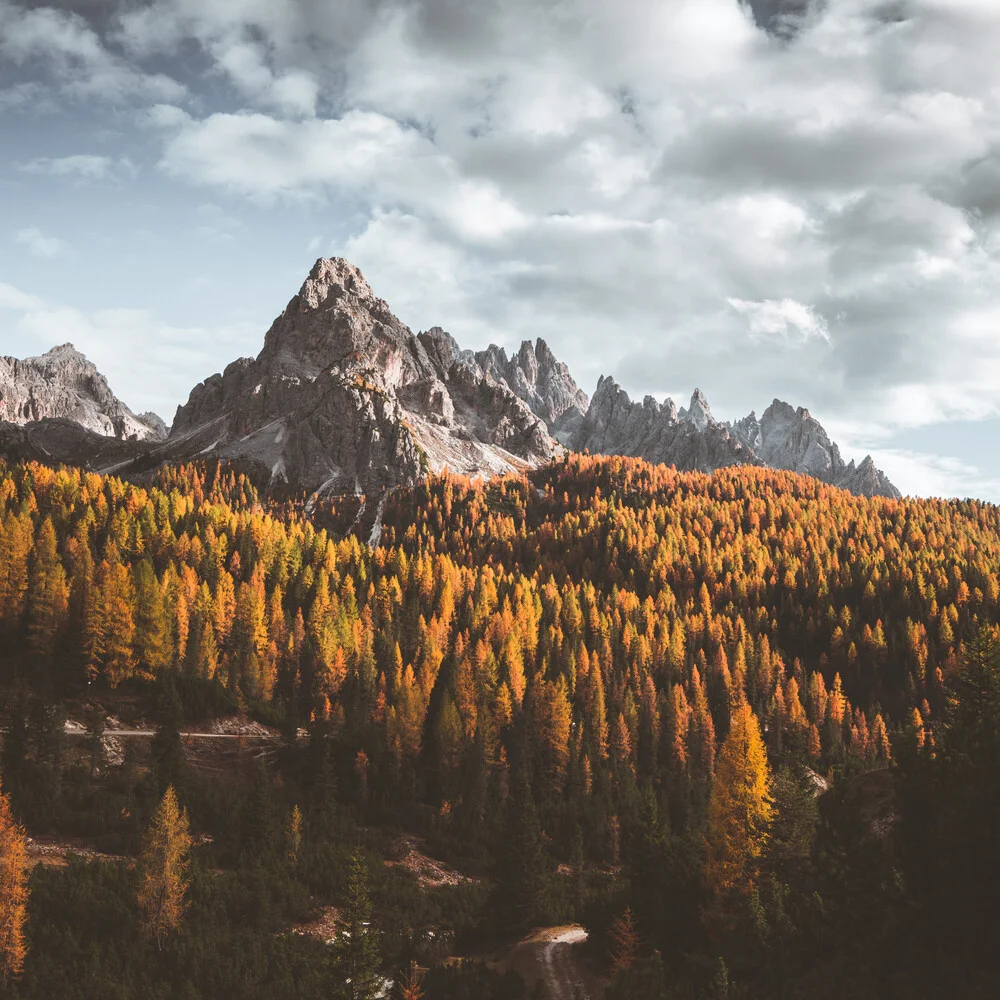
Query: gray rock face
pixel 62 383
pixel 783 438
pixel 58 440
pixel 544 383
pixel 343 396
pixel 658 432
pixel 789 438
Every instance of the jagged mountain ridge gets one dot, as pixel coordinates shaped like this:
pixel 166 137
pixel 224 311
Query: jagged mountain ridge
pixel 783 438
pixel 343 397
pixel 63 384
pixel 544 383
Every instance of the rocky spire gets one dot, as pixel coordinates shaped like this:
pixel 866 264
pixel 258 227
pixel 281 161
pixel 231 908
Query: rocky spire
pixel 345 396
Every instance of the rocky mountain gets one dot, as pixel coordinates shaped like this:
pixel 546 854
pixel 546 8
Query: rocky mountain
pixel 783 438
pixel 544 383
pixel 54 440
pixel 658 432
pixel 344 397
pixel 789 438
pixel 63 384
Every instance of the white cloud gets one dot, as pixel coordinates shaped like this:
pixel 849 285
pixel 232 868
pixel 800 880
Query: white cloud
pixel 29 95
pixel 362 155
pixel 66 50
pixel 14 298
pixel 293 92
pixel 39 245
pixel 788 321
pixel 82 166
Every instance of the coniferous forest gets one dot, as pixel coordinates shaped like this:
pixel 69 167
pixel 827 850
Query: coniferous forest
pixel 743 728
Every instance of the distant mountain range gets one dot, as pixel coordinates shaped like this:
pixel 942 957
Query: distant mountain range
pixel 783 438
pixel 344 398
pixel 63 383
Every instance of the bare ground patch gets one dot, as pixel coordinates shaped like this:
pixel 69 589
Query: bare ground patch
pixel 430 873
pixel 323 928
pixel 53 851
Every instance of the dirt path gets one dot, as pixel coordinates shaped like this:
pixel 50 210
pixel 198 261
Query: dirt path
pixel 226 731
pixel 52 852
pixel 184 734
pixel 430 873
pixel 551 954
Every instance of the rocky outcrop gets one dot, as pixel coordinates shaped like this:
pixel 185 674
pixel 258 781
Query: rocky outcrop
pixel 658 432
pixel 56 440
pixel 544 383
pixel 790 438
pixel 344 397
pixel 62 383
pixel 156 424
pixel 691 438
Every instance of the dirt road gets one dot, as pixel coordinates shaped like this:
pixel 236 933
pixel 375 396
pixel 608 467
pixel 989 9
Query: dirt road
pixel 229 731
pixel 552 955
pixel 183 733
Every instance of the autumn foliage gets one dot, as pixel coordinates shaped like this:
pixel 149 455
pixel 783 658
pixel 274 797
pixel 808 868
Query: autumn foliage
pixel 739 812
pixel 164 869
pixel 595 667
pixel 596 621
pixel 13 893
pixel 624 942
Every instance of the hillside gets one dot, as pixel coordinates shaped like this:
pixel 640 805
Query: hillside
pixel 564 651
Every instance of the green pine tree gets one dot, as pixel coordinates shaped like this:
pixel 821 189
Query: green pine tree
pixel 359 950
pixel 522 861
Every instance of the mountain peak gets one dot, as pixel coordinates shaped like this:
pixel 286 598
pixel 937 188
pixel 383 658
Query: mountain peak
pixel 335 269
pixel 62 383
pixel 62 353
pixel 783 438
pixel 699 412
pixel 777 408
pixel 543 352
pixel 543 382
pixel 344 396
pixel 333 278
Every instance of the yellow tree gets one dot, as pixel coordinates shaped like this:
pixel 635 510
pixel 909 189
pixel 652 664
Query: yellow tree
pixel 164 869
pixel 13 892
pixel 410 988
pixel 294 834
pixel 48 595
pixel 16 541
pixel 109 629
pixel 740 808
pixel 624 942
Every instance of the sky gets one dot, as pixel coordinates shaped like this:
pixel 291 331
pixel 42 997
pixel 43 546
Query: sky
pixel 779 198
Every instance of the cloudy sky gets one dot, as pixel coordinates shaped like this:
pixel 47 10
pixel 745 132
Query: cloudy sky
pixel 793 198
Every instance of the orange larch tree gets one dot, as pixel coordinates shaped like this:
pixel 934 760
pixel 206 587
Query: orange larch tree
pixel 13 892
pixel 740 809
pixel 164 865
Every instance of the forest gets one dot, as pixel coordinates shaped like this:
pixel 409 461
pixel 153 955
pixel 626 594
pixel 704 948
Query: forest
pixel 743 727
